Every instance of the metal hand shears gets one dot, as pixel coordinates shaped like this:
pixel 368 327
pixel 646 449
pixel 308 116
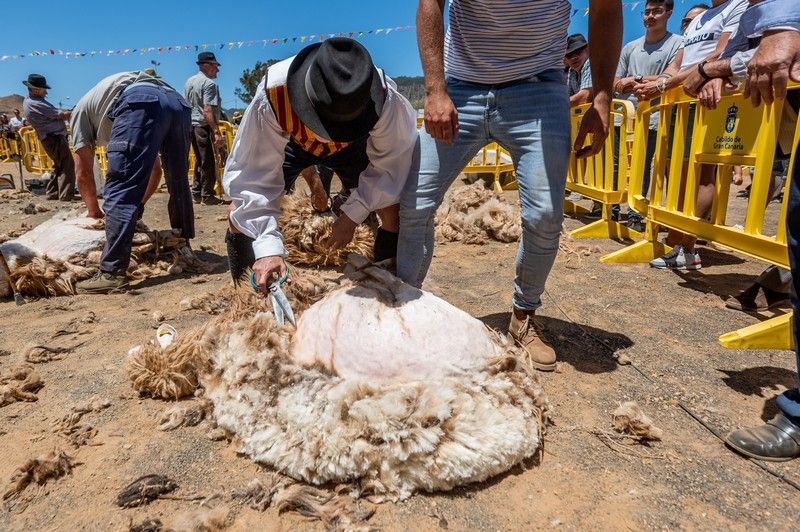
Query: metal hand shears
pixel 280 304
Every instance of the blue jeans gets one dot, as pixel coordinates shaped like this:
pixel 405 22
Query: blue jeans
pixel 530 119
pixel 789 401
pixel 148 119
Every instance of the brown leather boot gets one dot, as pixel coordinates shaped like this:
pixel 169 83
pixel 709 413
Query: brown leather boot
pixel 526 331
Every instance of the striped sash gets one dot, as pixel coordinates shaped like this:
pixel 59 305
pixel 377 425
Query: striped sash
pixel 297 130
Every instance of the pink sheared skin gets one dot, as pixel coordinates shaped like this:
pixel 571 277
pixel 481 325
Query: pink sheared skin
pixel 357 334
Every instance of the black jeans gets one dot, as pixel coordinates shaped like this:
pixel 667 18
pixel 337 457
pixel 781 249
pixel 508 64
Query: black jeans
pixel 62 181
pixel 205 166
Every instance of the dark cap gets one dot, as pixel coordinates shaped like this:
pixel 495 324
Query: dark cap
pixel 207 57
pixel 36 81
pixel 575 42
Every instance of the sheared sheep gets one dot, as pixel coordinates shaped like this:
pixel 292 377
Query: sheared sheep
pixel 49 259
pixel 329 404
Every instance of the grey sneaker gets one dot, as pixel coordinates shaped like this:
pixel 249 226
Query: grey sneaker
pixel 102 283
pixel 678 259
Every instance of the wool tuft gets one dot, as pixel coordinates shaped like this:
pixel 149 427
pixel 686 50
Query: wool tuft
pixel 305 232
pixel 475 215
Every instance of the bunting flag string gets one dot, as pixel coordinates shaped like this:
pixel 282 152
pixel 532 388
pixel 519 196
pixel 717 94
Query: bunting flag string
pixel 231 45
pixel 632 5
pixel 240 44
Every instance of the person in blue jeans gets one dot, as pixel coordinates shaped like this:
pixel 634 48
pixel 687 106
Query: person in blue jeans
pixel 138 117
pixel 483 86
pixel 776 60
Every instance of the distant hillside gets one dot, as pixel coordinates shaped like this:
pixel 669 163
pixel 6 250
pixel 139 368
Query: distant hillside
pixel 9 103
pixel 413 88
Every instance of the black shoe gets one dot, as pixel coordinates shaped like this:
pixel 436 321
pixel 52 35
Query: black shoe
pixel 213 200
pixel 636 224
pixel 777 441
pixel 596 212
pixel 196 198
pixel 756 298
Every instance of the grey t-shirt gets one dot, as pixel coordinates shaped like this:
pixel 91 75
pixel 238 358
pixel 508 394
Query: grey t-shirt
pixel 43 116
pixel 90 123
pixel 200 90
pixel 639 58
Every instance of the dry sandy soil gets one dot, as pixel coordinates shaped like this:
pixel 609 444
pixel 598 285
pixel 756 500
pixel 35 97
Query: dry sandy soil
pixel 667 324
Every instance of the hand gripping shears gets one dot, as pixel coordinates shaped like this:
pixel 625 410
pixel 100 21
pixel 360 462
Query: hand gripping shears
pixel 280 304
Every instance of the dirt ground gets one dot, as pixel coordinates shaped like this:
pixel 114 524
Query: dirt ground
pixel 667 324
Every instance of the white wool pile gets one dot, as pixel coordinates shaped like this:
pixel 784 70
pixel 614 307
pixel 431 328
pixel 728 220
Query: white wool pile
pixel 474 215
pixel 390 436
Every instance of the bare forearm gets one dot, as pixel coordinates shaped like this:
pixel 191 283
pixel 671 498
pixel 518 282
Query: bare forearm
pixel 430 39
pixel 605 25
pixel 581 97
pixel 718 69
pixel 153 181
pixel 84 172
pixel 211 120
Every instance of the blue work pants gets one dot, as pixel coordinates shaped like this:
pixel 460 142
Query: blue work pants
pixel 789 401
pixel 148 120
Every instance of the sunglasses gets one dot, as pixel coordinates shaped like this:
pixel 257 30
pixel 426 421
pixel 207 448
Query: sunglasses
pixel 574 53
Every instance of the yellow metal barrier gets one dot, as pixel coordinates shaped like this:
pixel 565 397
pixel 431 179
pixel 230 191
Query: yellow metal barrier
pixel 220 154
pixel 9 149
pixel 735 133
pixel 34 158
pixel 494 160
pixel 596 178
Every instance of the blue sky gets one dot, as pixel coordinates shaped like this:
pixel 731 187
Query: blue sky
pixel 89 25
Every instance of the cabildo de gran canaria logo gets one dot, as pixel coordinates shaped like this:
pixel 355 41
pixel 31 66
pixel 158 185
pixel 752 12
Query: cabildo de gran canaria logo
pixel 727 141
pixel 730 122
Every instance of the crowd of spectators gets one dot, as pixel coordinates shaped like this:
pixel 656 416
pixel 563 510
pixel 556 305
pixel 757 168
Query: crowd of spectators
pixel 722 47
pixel 710 57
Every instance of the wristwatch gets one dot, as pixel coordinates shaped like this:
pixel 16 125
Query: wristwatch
pixel 638 79
pixel 702 70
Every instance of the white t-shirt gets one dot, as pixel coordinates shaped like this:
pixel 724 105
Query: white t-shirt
pixel 703 33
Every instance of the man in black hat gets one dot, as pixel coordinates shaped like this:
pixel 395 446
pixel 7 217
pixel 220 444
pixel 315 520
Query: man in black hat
pixel 48 121
pixel 580 73
pixel 328 105
pixel 202 93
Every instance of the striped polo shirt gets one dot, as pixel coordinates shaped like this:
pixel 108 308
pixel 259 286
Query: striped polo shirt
pixel 496 41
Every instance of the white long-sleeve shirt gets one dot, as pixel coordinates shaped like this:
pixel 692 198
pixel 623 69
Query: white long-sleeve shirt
pixel 254 171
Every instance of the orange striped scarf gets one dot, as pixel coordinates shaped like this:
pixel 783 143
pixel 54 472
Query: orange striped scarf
pixel 298 131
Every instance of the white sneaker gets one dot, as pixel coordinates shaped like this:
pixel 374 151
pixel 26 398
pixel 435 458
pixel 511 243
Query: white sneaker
pixel 574 197
pixel 678 259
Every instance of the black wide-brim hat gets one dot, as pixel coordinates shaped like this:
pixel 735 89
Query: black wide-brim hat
pixel 335 89
pixel 575 42
pixel 36 81
pixel 207 57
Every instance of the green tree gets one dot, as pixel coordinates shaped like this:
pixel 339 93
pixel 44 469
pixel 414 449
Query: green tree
pixel 250 79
